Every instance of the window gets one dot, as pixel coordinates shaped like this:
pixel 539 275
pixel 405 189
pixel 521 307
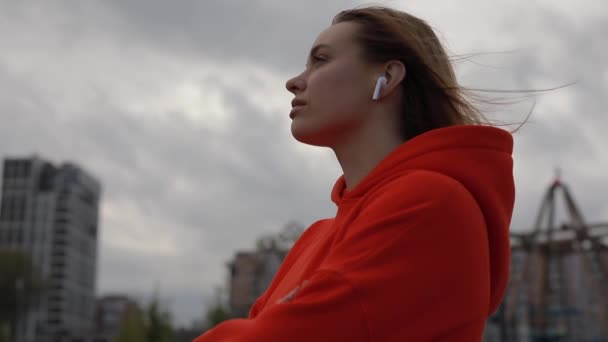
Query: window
pixel 27 168
pixel 58 264
pixel 21 208
pixel 56 287
pixel 59 243
pixel 7 211
pixel 19 237
pixel 62 220
pixel 88 197
pixel 8 169
pixel 55 321
pixel 93 229
pixel 58 254
pixel 233 270
pixel 46 178
pixel 18 170
pixel 57 276
pixel 4 208
pixel 13 208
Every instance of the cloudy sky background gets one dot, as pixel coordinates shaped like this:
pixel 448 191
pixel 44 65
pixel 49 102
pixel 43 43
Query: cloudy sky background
pixel 179 108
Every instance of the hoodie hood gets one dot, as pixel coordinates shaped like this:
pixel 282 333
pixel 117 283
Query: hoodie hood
pixel 480 158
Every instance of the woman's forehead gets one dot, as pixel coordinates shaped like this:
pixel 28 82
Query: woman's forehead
pixel 337 36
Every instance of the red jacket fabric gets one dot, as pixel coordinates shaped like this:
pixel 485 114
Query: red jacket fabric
pixel 418 251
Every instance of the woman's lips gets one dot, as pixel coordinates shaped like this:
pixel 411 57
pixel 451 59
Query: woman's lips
pixel 295 109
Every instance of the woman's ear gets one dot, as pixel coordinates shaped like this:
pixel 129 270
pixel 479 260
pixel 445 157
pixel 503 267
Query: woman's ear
pixel 395 74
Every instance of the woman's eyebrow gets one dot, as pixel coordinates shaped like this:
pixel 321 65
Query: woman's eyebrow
pixel 316 49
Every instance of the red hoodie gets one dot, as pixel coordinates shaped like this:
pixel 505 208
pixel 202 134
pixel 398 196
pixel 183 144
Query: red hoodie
pixel 418 251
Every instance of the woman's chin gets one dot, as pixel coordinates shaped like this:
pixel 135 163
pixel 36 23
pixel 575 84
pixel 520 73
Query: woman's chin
pixel 307 135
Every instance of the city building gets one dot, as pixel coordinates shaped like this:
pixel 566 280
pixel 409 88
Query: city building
pixel 51 214
pixel 250 272
pixel 112 313
pixel 250 275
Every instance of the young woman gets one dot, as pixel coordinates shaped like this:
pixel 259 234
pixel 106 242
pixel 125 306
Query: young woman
pixel 419 247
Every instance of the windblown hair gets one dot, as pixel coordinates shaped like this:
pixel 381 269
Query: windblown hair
pixel 432 96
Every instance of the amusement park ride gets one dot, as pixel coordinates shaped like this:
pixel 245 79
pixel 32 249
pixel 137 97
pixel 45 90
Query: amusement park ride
pixel 558 289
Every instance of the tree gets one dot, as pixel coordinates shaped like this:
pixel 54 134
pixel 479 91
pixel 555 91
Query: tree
pixel 283 240
pixel 20 287
pixel 4 332
pixel 217 314
pixel 158 322
pixel 289 235
pixel 133 328
pixel 150 324
pixel 218 311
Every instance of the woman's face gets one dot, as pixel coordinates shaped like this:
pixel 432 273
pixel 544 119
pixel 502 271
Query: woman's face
pixel 334 93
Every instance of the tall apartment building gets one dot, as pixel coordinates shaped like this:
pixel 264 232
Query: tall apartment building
pixel 51 214
pixel 250 275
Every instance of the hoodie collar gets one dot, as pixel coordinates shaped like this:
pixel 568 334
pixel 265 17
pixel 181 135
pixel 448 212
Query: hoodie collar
pixel 453 137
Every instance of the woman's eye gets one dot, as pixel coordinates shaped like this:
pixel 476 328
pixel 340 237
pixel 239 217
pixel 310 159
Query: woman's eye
pixel 319 58
pixel 315 60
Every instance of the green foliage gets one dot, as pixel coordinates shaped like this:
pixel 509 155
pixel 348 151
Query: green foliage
pixel 4 332
pixel 158 323
pixel 150 324
pixel 283 240
pixel 217 314
pixel 133 328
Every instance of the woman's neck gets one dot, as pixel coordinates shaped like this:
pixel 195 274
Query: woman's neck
pixel 359 154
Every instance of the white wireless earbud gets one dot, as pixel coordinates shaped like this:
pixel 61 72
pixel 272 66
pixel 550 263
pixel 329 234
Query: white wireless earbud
pixel 379 84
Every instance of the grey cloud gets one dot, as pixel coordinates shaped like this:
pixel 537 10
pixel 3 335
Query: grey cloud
pixel 570 137
pixel 267 32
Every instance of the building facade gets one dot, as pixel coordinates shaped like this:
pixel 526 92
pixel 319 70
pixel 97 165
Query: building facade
pixel 250 275
pixel 51 214
pixel 112 313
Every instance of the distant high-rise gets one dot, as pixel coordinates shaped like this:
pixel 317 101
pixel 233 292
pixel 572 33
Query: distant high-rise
pixel 250 275
pixel 51 214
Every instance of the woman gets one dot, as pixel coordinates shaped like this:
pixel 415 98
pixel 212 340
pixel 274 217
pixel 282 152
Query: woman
pixel 419 248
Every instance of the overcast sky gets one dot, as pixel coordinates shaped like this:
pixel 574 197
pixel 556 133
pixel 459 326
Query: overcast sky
pixel 179 109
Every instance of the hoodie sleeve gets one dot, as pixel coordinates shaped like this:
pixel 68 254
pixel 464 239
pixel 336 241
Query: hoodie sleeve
pixel 325 309
pixel 408 268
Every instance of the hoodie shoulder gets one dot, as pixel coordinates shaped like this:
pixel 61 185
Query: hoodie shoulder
pixel 442 205
pixel 422 187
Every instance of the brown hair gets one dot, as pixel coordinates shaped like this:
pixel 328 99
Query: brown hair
pixel 432 96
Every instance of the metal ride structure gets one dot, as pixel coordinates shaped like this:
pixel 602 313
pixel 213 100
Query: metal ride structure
pixel 558 288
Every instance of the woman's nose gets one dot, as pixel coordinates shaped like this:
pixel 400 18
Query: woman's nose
pixel 296 84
